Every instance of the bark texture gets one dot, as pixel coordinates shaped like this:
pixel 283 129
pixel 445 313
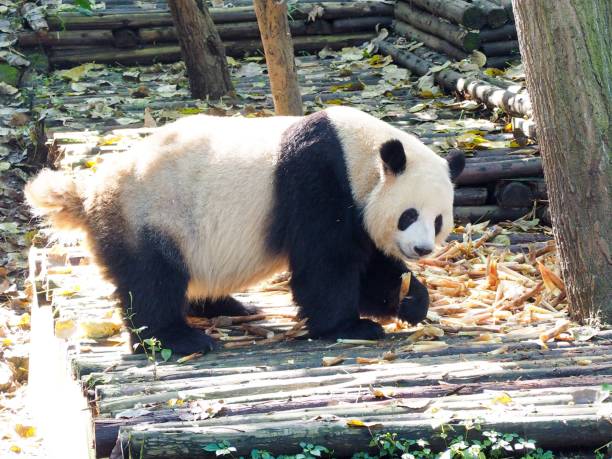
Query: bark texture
pixel 202 49
pixel 567 51
pixel 278 47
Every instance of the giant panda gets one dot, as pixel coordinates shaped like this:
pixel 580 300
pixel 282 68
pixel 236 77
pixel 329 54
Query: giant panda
pixel 207 206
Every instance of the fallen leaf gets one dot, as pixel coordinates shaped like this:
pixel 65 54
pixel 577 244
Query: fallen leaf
pixel 331 361
pixel 25 431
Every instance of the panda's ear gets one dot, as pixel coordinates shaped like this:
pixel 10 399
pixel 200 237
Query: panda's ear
pixel 456 163
pixel 393 157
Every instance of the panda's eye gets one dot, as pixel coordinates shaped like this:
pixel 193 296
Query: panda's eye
pixel 438 224
pixel 407 218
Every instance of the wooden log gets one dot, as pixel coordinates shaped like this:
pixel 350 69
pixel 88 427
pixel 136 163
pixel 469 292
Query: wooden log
pixel 476 214
pixel 500 48
pixel 236 31
pixel 427 22
pixel 148 35
pixel 495 14
pixel 506 32
pixel 507 4
pixel 350 25
pixel 470 196
pixel 514 238
pixel 332 10
pixel 106 430
pixel 66 38
pixel 457 11
pixel 513 194
pixel 526 128
pixel 238 48
pixel 489 172
pixel 431 41
pixel 454 81
pixel 202 50
pixel 501 62
pixel 548 431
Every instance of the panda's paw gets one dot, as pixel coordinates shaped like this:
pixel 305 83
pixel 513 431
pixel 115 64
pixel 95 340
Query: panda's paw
pixel 226 306
pixel 359 329
pixel 184 340
pixel 413 309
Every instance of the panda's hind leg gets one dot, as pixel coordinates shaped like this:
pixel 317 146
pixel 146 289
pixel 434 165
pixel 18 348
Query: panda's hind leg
pixel 225 306
pixel 151 281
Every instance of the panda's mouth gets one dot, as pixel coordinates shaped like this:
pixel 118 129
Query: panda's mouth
pixel 409 255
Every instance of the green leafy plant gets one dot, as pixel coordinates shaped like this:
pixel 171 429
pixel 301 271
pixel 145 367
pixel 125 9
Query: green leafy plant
pixel 222 448
pixel 150 346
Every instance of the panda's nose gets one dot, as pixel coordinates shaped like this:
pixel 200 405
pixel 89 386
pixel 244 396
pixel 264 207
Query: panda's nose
pixel 422 251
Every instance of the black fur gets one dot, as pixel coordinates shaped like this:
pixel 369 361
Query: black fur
pixel 226 306
pixel 456 163
pixel 151 280
pixel 316 222
pixel 380 291
pixel 393 156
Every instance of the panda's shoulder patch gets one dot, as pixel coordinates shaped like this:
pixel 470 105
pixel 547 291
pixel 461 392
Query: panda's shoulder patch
pixel 311 182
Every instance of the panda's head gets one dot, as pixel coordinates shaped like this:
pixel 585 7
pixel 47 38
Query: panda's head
pixel 411 208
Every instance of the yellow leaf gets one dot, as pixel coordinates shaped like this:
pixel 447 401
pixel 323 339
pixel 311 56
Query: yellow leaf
pixel 508 127
pixel 502 399
pixel 355 423
pixel 176 402
pixel 24 321
pixel 378 61
pixel 110 140
pixel 491 71
pixel 69 291
pixel 334 102
pixel 75 73
pixel 379 393
pixel 514 144
pixel 350 86
pixel 15 449
pixel 7 342
pixel 96 329
pixel 65 328
pixel 584 362
pixel 25 431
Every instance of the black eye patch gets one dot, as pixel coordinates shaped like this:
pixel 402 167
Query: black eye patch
pixel 407 218
pixel 438 224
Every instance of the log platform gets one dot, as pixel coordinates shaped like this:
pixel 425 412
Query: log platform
pixel 268 387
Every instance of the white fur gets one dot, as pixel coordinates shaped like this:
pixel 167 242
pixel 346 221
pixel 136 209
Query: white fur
pixel 424 185
pixel 208 183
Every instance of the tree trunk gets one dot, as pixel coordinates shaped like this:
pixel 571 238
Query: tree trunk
pixel 568 61
pixel 276 39
pixel 202 50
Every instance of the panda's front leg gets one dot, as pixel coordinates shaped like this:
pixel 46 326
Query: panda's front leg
pixel 327 293
pixel 380 291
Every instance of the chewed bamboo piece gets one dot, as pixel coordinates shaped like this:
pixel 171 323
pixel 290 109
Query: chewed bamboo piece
pixel 475 284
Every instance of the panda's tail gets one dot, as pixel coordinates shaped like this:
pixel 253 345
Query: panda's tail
pixel 56 196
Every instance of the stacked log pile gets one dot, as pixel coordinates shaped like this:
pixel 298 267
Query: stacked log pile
pixel 458 27
pixel 501 185
pixel 130 35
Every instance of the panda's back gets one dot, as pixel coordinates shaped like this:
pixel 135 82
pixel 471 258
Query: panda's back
pixel 206 182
